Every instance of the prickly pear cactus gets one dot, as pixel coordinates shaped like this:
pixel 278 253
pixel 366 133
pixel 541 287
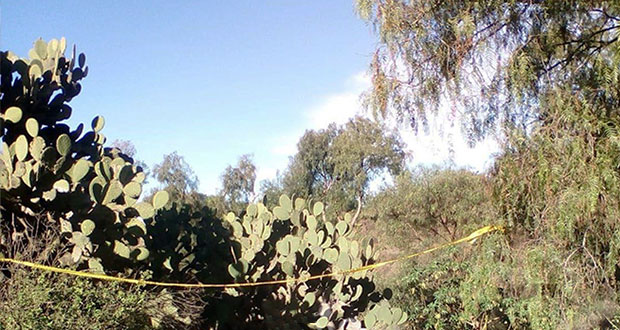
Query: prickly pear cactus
pixel 293 241
pixel 55 177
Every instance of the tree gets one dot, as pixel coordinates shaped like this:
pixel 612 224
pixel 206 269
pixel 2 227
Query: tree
pixel 178 179
pixel 338 163
pixel 238 184
pixel 547 72
pixel 271 189
pixel 310 171
pixel 495 60
pixel 439 200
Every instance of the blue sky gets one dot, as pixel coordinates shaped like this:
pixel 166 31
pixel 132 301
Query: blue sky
pixel 210 79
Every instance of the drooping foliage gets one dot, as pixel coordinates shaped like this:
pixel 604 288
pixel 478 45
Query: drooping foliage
pixel 548 72
pixel 424 207
pixel 492 59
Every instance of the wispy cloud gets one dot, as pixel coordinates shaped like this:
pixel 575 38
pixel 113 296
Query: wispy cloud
pixel 339 107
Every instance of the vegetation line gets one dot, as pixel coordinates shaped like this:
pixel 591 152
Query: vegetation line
pixel 474 235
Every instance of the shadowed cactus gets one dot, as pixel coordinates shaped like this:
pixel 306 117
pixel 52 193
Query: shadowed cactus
pixel 55 178
pixel 292 242
pixel 63 180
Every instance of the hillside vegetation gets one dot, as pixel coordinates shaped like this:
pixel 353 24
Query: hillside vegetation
pixel 542 77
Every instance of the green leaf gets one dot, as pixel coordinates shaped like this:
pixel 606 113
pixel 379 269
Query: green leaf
pixel 95 189
pixel 62 186
pixel 160 199
pixel 344 262
pixel 283 247
pixel 98 123
pixel 79 239
pixel 384 314
pixel 317 209
pixel 34 70
pixel 252 210
pixel 321 323
pixel 299 204
pixel 32 127
pixel 13 114
pixel 40 47
pixel 237 229
pixel 138 224
pixel 52 48
pixel 21 148
pixel 397 314
pixel 81 60
pixel 63 144
pixel 28 176
pixel 310 298
pixel 142 253
pixel 95 266
pixel 87 226
pixel 145 210
pixel 330 255
pixel 359 289
pixel 288 268
pixel 62 45
pixel 341 227
pixel 133 189
pixel 121 249
pixel 311 222
pixel 139 177
pixel 285 202
pixel 403 318
pixel 79 170
pixel 113 191
pixel 281 213
pixel 370 320
pixel 36 148
pixel 126 174
pixel 330 228
pixel 239 268
pixel 230 217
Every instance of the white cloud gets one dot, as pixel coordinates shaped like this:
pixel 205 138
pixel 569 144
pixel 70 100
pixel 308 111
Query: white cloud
pixel 339 107
pixel 435 147
pixel 333 108
pixel 336 108
pixel 265 173
pixel 285 146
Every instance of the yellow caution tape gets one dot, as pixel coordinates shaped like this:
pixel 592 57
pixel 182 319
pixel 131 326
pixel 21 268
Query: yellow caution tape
pixel 470 237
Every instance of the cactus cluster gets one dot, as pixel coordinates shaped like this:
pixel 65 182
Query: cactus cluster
pixel 295 240
pixel 55 177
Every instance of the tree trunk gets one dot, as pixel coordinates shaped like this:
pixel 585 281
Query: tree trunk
pixel 357 212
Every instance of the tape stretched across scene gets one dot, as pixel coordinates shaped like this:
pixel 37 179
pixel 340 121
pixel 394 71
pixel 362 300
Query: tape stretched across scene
pixel 476 234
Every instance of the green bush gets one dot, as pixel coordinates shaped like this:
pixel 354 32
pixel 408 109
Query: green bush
pixel 36 300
